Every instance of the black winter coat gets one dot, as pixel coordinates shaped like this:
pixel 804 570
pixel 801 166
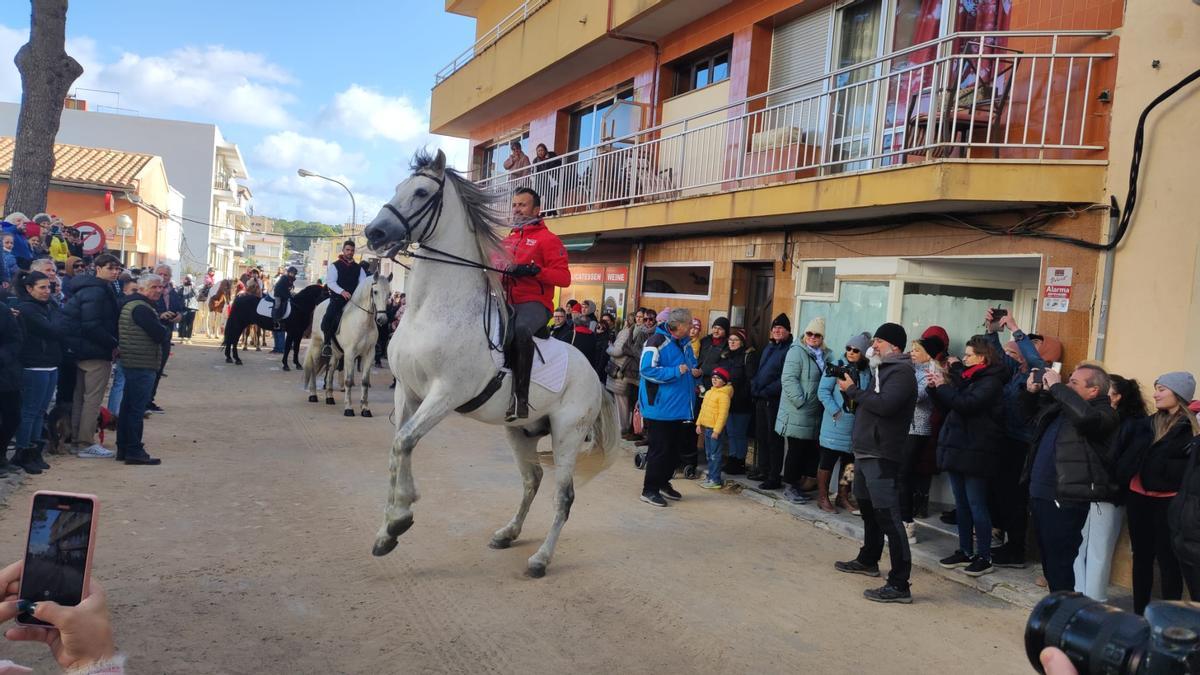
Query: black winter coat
pixel 1084 464
pixel 1183 514
pixel 971 438
pixel 41 329
pixel 767 382
pixel 742 365
pixel 709 358
pixel 1134 437
pixel 1165 461
pixel 90 319
pixel 10 352
pixel 885 409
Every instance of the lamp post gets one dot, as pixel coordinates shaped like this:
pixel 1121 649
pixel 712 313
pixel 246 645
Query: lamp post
pixel 305 173
pixel 124 227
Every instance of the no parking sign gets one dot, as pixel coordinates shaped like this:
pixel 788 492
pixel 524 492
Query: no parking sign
pixel 92 237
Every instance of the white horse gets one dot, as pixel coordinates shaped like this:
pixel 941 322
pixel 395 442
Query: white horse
pixel 446 362
pixel 354 349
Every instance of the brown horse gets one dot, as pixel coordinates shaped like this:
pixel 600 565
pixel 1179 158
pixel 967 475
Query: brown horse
pixel 218 299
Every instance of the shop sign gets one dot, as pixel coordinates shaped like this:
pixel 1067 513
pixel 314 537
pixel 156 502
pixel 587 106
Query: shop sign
pixel 616 275
pixel 587 274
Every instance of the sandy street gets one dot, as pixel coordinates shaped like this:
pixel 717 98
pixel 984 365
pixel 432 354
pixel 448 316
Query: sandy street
pixel 248 551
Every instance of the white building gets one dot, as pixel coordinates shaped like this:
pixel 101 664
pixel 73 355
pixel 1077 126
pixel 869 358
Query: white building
pixel 202 165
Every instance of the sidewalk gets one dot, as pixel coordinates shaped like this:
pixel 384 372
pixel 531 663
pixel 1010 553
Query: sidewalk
pixel 935 540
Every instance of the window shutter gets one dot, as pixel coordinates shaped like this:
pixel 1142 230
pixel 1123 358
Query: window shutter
pixel 800 53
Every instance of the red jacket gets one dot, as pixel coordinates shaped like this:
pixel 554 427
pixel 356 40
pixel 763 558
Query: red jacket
pixel 535 243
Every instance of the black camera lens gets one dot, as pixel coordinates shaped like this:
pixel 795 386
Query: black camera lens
pixel 1098 638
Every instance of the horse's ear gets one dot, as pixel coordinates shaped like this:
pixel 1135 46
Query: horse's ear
pixel 439 162
pixel 389 277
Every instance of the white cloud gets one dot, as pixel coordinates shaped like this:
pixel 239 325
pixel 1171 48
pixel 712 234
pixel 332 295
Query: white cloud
pixel 368 114
pixel 290 150
pixel 290 196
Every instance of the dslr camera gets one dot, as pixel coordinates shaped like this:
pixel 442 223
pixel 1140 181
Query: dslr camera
pixel 837 372
pixel 1100 638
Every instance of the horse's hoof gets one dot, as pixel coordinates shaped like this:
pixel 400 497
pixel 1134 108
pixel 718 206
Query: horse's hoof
pixel 500 544
pixel 536 571
pixel 285 367
pixel 312 398
pixel 367 413
pixel 239 362
pixel 329 400
pixel 399 527
pixel 383 547
pixel 258 349
pixel 228 360
pixel 348 413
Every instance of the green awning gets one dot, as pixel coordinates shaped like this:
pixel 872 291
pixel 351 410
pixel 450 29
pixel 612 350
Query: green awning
pixel 580 243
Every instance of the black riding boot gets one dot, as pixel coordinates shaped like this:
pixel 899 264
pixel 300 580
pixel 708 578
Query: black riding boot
pixel 522 365
pixel 22 458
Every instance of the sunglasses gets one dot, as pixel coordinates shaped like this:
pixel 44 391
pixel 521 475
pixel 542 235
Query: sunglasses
pixel 78 267
pixel 852 350
pixel 816 335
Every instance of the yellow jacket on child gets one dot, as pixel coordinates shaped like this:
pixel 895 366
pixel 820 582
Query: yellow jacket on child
pixel 714 411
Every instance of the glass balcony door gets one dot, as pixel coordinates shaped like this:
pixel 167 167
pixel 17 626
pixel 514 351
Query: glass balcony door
pixel 858 37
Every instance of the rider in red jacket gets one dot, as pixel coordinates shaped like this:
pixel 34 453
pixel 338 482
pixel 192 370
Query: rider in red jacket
pixel 539 263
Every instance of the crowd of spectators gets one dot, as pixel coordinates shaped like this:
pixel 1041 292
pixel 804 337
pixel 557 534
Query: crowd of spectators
pixel 73 329
pixel 865 429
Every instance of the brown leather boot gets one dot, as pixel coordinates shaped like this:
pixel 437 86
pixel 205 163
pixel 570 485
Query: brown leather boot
pixel 843 498
pixel 823 477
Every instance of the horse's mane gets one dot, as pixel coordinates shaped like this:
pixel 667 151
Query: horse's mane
pixel 484 218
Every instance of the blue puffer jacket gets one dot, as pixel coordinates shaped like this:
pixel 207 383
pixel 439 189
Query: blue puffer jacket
pixel 768 381
pixel 664 393
pixel 1016 425
pixel 20 243
pixel 835 427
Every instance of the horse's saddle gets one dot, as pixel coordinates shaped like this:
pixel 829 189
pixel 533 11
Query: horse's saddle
pixel 267 305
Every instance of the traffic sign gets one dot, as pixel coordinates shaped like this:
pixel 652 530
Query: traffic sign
pixel 92 237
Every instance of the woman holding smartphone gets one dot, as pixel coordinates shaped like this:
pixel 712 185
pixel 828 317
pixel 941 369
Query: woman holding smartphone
pixel 40 355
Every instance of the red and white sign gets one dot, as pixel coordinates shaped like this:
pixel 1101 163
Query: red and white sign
pixel 92 237
pixel 586 274
pixel 1056 295
pixel 616 275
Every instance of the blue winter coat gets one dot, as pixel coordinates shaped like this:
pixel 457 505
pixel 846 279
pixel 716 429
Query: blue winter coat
pixel 835 427
pixel 768 381
pixel 20 243
pixel 664 393
pixel 1016 425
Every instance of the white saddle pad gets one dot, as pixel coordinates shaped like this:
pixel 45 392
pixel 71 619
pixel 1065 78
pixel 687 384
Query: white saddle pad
pixel 550 368
pixel 267 305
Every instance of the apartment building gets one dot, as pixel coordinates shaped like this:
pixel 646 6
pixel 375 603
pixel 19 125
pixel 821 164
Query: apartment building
pixel 204 167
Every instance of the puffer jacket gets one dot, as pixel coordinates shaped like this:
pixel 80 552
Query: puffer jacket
pixel 1083 460
pixel 971 440
pixel 766 383
pixel 42 333
pixel 884 409
pixel 799 409
pixel 90 319
pixel 742 365
pixel 1183 514
pixel 664 393
pixel 10 352
pixel 714 411
pixel 1016 425
pixel 837 418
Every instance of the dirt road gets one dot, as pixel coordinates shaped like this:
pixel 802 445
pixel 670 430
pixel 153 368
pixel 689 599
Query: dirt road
pixel 248 551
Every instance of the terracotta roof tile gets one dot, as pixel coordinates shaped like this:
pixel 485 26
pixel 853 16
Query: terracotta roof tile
pixel 85 166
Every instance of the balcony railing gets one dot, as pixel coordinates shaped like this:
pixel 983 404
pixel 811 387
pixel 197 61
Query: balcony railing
pixel 972 95
pixel 514 19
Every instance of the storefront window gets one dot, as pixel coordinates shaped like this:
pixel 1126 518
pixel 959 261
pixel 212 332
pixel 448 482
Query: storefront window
pixel 958 309
pixel 860 306
pixel 687 281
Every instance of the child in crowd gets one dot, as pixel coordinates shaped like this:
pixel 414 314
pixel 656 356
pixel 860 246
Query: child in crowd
pixel 714 412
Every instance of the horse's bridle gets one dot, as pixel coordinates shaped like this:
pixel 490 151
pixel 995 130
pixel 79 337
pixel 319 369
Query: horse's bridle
pixel 374 313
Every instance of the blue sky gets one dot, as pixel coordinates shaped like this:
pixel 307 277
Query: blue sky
pixel 340 88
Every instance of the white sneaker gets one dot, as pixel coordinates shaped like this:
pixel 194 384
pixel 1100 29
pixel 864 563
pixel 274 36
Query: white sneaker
pixel 911 530
pixel 97 451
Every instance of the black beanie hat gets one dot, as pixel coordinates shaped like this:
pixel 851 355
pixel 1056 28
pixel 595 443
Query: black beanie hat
pixel 723 322
pixel 932 345
pixel 782 320
pixel 893 333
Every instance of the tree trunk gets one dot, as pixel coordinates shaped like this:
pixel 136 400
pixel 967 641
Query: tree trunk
pixel 47 72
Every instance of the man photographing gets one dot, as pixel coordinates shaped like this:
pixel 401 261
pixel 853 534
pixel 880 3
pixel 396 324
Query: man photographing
pixel 341 278
pixel 538 264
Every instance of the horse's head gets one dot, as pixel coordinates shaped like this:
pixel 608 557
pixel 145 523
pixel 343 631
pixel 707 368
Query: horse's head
pixel 381 290
pixel 413 212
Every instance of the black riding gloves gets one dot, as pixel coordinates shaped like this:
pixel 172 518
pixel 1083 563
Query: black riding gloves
pixel 527 270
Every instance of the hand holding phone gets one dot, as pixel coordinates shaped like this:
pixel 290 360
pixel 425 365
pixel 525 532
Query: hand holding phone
pixel 81 635
pixel 58 551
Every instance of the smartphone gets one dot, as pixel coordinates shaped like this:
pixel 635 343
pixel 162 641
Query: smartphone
pixel 1056 367
pixel 58 552
pixel 998 313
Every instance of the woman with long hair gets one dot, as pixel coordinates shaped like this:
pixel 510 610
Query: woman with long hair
pixel 41 354
pixel 740 359
pixel 1157 477
pixel 1093 564
pixel 969 446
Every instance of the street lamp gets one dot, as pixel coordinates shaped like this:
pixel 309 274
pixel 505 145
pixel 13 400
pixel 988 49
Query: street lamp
pixel 124 227
pixel 305 173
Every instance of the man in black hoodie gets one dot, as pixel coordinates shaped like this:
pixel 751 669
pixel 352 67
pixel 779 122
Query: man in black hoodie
pixel 91 320
pixel 883 413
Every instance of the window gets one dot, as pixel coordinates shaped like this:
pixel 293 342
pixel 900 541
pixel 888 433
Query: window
pixel 682 281
pixel 817 278
pixel 700 69
pixel 492 163
pixel 587 120
pixel 958 309
pixel 860 306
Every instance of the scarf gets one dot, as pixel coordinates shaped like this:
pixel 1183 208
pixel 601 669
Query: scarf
pixel 970 372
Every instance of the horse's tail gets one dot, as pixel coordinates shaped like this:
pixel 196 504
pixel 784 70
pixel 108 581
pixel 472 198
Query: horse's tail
pixel 607 428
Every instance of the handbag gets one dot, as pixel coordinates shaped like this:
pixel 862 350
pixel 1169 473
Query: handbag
pixel 614 370
pixel 638 424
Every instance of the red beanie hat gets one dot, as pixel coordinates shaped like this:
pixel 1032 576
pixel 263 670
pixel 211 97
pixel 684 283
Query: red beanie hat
pixel 721 373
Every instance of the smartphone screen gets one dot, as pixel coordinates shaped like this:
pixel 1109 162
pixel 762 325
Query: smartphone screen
pixel 56 554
